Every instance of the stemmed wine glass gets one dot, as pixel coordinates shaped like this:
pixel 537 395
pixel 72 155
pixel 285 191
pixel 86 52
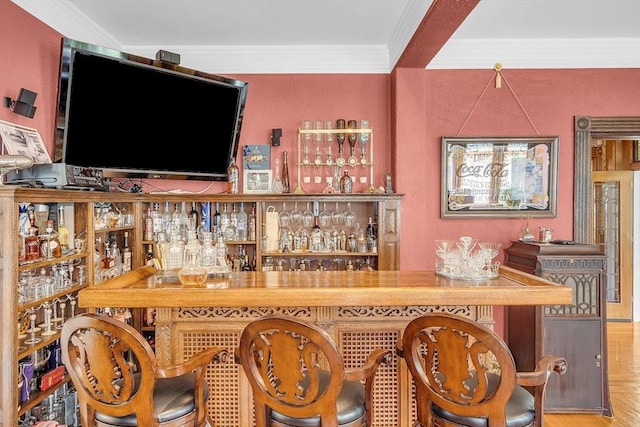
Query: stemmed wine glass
pixel 329 138
pixel 283 217
pixel 307 217
pixel 349 217
pixel 352 137
pixel 295 216
pixel 364 140
pixel 337 216
pixel 325 217
pixel 340 137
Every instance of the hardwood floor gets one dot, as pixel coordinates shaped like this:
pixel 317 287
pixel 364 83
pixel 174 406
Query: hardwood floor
pixel 624 378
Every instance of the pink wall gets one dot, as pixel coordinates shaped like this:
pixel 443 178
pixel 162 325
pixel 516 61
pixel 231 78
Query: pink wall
pixel 433 104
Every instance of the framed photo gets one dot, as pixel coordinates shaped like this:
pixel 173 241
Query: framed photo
pixel 257 157
pixel 256 181
pixel 23 141
pixel 499 177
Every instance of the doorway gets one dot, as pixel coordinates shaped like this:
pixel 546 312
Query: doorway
pixel 588 133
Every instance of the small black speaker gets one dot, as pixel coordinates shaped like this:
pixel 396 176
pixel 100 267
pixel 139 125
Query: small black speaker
pixel 276 134
pixel 166 56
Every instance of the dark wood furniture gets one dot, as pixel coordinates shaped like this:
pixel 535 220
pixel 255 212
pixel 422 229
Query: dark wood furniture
pixel 464 375
pixel 576 331
pixel 298 377
pixel 119 382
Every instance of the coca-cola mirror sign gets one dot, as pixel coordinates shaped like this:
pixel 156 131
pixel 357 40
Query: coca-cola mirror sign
pixel 499 176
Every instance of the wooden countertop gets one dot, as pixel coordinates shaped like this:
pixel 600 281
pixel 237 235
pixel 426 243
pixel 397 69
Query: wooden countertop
pixel 142 288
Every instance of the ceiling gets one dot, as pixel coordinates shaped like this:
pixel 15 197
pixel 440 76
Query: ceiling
pixel 357 36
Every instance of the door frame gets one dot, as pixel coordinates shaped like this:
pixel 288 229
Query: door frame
pixel 587 128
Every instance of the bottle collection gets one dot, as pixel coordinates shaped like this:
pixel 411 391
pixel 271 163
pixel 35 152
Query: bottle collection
pixel 197 239
pixel 40 239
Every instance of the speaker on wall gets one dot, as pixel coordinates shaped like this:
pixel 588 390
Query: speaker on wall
pixel 276 134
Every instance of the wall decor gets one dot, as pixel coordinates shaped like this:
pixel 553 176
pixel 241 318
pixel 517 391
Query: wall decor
pixel 256 181
pixel 499 176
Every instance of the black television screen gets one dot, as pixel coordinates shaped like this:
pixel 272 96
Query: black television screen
pixel 136 117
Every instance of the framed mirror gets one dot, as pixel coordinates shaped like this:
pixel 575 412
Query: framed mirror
pixel 499 177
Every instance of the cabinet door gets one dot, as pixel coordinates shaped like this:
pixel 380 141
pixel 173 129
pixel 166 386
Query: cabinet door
pixel 581 386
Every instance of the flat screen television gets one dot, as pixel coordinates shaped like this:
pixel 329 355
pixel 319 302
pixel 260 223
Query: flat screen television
pixel 141 118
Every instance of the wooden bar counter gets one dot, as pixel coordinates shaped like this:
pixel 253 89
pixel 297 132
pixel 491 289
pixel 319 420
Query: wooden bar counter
pixel 362 310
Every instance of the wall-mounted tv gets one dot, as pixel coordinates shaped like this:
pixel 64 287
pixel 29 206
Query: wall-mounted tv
pixel 141 118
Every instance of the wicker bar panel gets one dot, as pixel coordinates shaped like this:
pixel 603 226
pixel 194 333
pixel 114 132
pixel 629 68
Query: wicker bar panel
pixel 356 330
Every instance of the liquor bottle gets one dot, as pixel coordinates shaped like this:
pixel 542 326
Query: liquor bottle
pixel 175 219
pixel 225 220
pixel 50 247
pixel 233 221
pixel 193 217
pixel 183 221
pixel 166 218
pixel 208 250
pixel 63 231
pixel 156 217
pixel 126 253
pixel 285 173
pixel 175 251
pixel 215 225
pixel 242 224
pixel 221 251
pixel 234 178
pixel 346 183
pixel 192 272
pixel 252 224
pixel 148 225
pixel 32 244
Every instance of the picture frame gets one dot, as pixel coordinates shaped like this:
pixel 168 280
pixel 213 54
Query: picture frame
pixel 24 141
pixel 256 181
pixel 499 177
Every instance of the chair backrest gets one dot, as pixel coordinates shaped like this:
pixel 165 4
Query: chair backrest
pixel 459 365
pixel 286 361
pixel 99 353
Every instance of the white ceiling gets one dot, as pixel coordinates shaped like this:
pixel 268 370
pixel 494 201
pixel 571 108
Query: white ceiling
pixel 351 36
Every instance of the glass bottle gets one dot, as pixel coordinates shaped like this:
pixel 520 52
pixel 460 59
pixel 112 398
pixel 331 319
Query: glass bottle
pixel 183 222
pixel 208 250
pixel 276 186
pixel 234 178
pixel 63 231
pixel 252 223
pixel 50 247
pixel 192 273
pixel 225 220
pixel 175 251
pixel 126 253
pixel 346 183
pixel 166 218
pixel 221 251
pixel 32 244
pixel 156 218
pixel 242 223
pixel 215 225
pixel 193 217
pixel 285 173
pixel 148 225
pixel 233 221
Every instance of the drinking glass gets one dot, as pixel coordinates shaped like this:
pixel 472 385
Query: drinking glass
pixel 325 217
pixel 307 217
pixel 337 216
pixel 283 217
pixel 349 217
pixel 295 216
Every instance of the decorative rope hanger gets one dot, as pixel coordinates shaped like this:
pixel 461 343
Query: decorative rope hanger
pixel 498 76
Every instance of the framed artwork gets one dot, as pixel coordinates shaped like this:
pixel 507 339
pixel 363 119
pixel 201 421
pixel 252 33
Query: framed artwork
pixel 499 177
pixel 21 140
pixel 256 181
pixel 256 157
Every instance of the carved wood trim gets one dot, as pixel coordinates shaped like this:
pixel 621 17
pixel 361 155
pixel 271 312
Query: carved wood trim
pixel 586 128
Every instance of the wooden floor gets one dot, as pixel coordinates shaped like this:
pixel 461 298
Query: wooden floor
pixel 624 382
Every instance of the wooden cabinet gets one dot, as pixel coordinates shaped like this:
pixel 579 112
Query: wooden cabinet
pixel 576 331
pixel 99 217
